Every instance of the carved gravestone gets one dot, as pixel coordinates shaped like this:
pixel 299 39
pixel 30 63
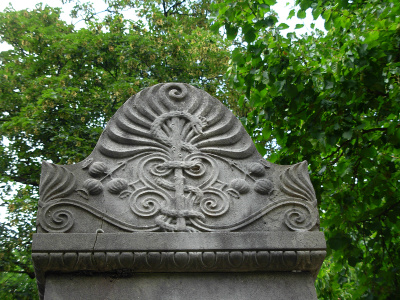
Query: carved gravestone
pixel 176 203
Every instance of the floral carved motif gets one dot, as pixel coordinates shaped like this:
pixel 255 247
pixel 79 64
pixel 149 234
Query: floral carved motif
pixel 175 159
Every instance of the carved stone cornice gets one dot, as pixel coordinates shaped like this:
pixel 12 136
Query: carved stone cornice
pixel 124 253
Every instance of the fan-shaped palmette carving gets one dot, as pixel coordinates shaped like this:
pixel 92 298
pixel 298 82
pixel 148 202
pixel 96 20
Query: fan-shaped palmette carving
pixel 217 113
pixel 155 106
pixel 131 128
pixel 217 130
pixel 229 138
pixel 245 151
pixel 205 108
pixel 133 115
pixel 57 182
pixel 110 149
pixel 119 136
pixel 295 182
pixel 171 152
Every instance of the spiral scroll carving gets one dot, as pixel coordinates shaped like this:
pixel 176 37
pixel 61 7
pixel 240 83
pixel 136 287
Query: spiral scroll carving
pixel 173 158
pixel 56 219
pixel 174 91
pixel 146 202
pixel 299 219
pixel 296 184
pixel 214 203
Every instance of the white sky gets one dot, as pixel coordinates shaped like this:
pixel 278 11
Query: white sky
pixel 282 8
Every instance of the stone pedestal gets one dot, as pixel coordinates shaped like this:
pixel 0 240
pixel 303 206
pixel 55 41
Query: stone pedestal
pixel 176 203
pixel 183 286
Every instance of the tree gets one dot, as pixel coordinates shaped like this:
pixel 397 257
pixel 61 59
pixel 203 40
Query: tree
pixel 59 86
pixel 331 99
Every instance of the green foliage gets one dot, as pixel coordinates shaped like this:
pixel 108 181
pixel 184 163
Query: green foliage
pixel 331 99
pixel 59 86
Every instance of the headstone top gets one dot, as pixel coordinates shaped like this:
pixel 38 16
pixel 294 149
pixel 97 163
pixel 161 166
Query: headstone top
pixel 174 187
pixel 173 158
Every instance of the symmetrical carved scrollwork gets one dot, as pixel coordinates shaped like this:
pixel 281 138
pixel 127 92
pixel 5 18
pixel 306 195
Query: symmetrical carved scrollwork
pixel 175 159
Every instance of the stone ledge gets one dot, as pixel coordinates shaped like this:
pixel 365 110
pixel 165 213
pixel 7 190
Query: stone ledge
pixel 178 241
pixel 175 262
pixel 177 252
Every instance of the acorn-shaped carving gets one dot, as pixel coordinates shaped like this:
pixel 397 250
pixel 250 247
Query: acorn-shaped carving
pixel 264 186
pixel 117 185
pixel 93 186
pixel 257 169
pixel 240 185
pixel 98 169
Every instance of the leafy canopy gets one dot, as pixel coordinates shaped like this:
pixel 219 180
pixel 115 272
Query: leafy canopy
pixel 331 98
pixel 59 86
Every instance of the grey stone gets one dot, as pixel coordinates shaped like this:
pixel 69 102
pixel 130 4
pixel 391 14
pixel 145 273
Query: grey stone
pixel 175 185
pixel 183 286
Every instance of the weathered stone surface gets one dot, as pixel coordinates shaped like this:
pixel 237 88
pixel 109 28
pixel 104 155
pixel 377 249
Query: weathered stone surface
pixel 175 159
pixel 175 184
pixel 174 286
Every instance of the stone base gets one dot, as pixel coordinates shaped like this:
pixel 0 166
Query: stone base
pixel 194 286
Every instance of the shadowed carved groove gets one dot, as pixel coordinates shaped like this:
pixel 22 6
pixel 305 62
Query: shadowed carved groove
pixel 186 261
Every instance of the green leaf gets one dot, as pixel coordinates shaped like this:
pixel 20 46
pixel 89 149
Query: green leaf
pixel 266 132
pixel 216 26
pixel 298 26
pixel 283 26
pixel 231 31
pixel 329 84
pixel 267 22
pixel 301 14
pixel 270 2
pixel 348 134
pixel 353 260
pixel 369 152
pixel 316 12
pixel 322 170
pixel 291 14
pixel 250 36
pixel 261 149
pixel 279 85
pixel 339 241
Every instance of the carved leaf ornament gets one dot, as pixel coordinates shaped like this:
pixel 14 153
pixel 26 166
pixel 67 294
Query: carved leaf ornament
pixel 173 158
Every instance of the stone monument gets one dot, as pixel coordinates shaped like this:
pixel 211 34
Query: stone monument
pixel 175 202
